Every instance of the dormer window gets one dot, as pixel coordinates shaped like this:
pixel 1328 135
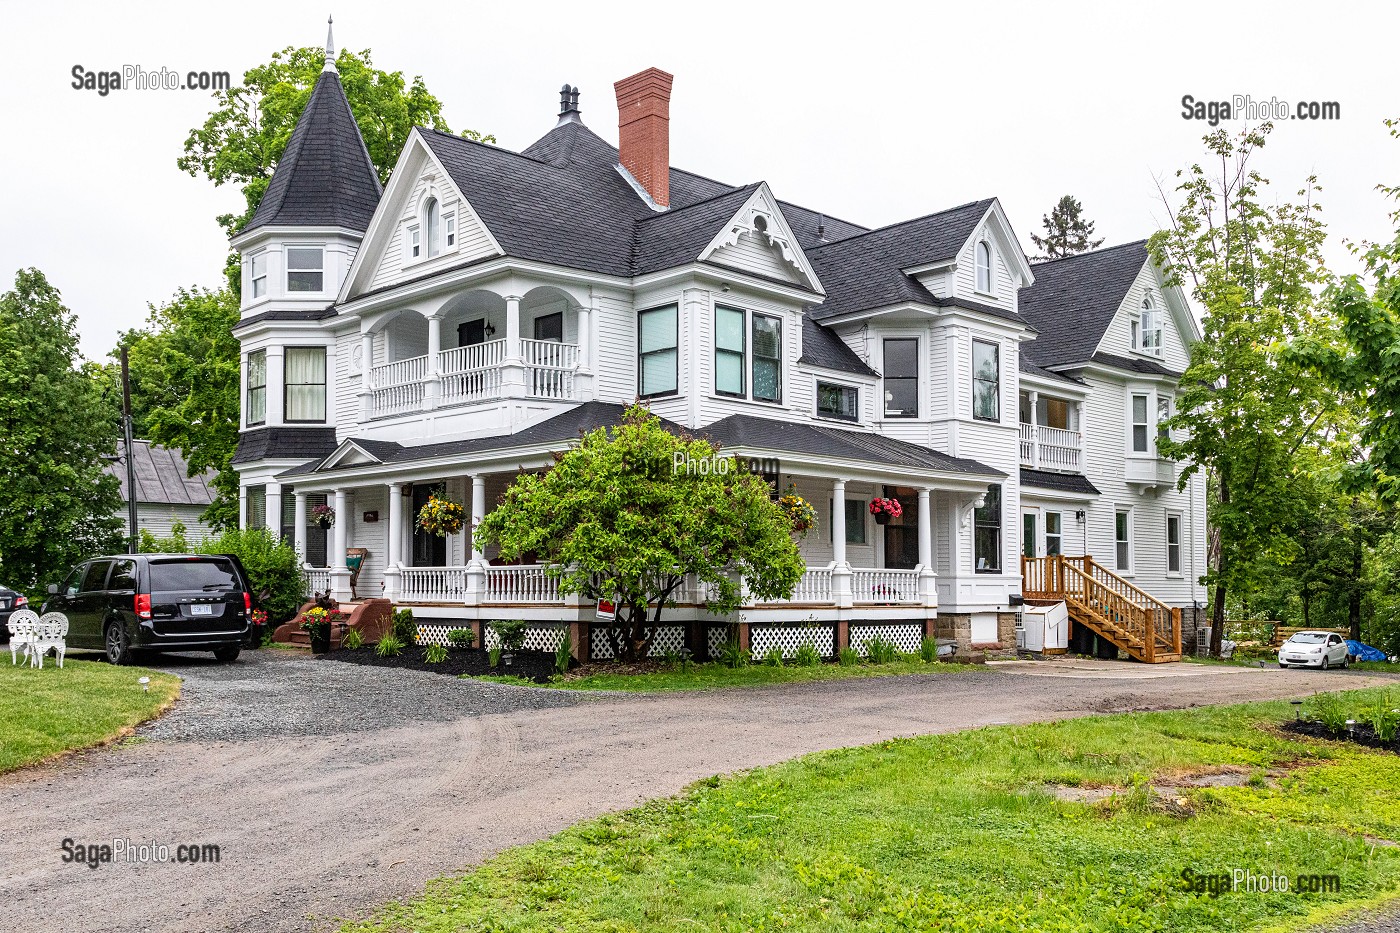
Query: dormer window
pixel 1147 329
pixel 431 226
pixel 258 273
pixel 305 269
pixel 984 267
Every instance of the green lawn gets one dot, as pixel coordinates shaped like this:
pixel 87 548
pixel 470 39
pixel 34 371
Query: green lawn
pixel 958 832
pixel 44 712
pixel 714 675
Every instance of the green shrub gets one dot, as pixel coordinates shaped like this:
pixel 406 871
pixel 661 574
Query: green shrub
pixel 461 638
pixel 848 657
pixel 880 651
pixel 435 654
pixel 671 659
pixel 928 650
pixel 564 653
pixel 807 656
pixel 732 655
pixel 510 633
pixel 389 646
pixel 774 657
pixel 493 656
pixel 405 629
pixel 352 640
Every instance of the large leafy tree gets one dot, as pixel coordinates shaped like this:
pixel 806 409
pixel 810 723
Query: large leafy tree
pixel 615 518
pixel 57 505
pixel 246 134
pixel 1067 233
pixel 1252 262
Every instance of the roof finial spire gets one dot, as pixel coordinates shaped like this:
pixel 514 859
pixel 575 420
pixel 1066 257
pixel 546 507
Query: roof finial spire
pixel 330 44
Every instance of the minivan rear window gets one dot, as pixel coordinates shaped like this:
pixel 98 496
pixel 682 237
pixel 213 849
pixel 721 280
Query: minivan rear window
pixel 211 576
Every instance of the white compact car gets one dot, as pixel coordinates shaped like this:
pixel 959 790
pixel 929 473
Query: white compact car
pixel 1314 649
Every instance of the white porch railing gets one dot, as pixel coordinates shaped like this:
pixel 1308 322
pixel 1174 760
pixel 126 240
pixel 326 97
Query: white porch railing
pixel 885 586
pixel 1048 448
pixel 813 587
pixel 527 583
pixel 472 374
pixel 433 584
pixel 398 387
pixel 474 357
pixel 549 368
pixel 318 580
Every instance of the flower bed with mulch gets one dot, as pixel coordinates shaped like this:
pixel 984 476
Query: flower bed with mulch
pixel 531 665
pixel 1361 734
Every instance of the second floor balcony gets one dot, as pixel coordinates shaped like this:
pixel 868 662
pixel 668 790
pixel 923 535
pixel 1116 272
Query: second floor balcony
pixel 540 369
pixel 1047 448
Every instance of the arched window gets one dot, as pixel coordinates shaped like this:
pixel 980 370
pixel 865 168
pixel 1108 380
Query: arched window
pixel 1150 327
pixel 430 226
pixel 984 268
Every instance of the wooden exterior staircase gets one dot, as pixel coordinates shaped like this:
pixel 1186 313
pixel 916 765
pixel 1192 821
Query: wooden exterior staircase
pixel 1105 603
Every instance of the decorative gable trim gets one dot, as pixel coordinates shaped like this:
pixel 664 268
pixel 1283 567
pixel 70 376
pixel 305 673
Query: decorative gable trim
pixel 760 220
pixel 1003 235
pixel 347 454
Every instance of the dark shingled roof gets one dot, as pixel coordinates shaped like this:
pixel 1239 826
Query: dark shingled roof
pixel 284 443
pixel 287 314
pixel 866 270
pixel 821 347
pixel 1030 368
pixel 1135 364
pixel 325 177
pixel 863 446
pixel 1073 300
pixel 162 476
pixel 677 237
pixel 1062 482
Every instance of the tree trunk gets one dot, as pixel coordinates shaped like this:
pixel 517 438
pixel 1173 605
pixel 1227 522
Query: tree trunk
pixel 1217 620
pixel 1354 594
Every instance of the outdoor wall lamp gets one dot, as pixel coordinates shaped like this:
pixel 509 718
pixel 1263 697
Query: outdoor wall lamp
pixel 1079 516
pixel 490 330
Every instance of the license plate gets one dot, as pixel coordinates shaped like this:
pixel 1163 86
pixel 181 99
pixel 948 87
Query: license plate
pixel 201 610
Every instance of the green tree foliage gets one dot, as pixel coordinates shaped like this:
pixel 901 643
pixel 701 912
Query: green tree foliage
pixel 616 519
pixel 1067 233
pixel 57 505
pixel 1251 261
pixel 246 134
pixel 184 387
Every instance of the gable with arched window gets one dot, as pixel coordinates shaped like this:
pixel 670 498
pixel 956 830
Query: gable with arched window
pixel 984 267
pixel 432 232
pixel 1147 327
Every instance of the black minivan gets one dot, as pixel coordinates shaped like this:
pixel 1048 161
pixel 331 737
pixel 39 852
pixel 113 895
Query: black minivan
pixel 156 602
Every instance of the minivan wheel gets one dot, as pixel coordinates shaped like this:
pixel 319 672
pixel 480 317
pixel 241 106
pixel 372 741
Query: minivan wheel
pixel 118 645
pixel 227 654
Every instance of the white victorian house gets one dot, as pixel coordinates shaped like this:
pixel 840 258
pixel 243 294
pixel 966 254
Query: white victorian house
pixel 468 320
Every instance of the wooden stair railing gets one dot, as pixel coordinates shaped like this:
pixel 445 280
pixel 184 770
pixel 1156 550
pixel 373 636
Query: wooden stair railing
pixel 1134 620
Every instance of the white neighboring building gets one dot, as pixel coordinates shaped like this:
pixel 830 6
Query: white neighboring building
pixel 165 492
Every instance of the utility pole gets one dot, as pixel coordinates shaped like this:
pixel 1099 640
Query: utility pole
pixel 130 456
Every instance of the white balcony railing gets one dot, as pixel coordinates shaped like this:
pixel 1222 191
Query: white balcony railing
pixel 398 387
pixel 472 374
pixel 527 583
pixel 1047 448
pixel 885 586
pixel 550 354
pixel 433 584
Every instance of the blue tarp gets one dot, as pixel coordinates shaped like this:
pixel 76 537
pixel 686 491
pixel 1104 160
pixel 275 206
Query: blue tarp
pixel 1364 652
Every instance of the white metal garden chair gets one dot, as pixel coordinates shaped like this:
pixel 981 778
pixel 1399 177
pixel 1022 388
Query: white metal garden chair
pixel 22 625
pixel 52 633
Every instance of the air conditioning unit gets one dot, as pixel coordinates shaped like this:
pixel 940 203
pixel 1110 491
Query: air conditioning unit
pixel 1020 636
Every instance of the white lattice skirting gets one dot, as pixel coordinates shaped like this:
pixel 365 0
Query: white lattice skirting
pixel 668 638
pixel 545 636
pixel 435 633
pixel 906 636
pixel 717 637
pixel 762 639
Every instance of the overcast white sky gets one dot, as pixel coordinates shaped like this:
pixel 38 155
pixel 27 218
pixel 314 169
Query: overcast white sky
pixel 872 112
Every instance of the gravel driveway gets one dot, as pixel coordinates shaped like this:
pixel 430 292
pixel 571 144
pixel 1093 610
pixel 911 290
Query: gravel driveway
pixel 331 788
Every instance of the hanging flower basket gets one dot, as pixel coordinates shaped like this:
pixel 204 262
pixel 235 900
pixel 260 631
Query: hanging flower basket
pixel 798 510
pixel 441 516
pixel 885 509
pixel 323 516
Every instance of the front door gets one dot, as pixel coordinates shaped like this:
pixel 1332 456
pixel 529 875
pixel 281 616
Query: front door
pixel 471 333
pixel 429 550
pixel 1028 536
pixel 902 534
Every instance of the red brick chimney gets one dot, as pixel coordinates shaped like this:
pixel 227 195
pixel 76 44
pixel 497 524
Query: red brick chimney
pixel 644 130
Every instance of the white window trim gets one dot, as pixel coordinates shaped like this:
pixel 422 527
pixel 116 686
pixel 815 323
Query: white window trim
pixel 1131 569
pixel 253 278
pixel 1147 309
pixel 921 371
pixel 449 231
pixel 865 519
pixel 747 395
pixel 1150 451
pixel 1045 531
pixel 990 290
pixel 816 400
pixel 1180 543
pixel 288 270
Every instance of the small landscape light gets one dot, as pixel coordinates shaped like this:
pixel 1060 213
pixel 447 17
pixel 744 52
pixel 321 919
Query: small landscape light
pixel 1297 709
pixel 145 683
pixel 1351 727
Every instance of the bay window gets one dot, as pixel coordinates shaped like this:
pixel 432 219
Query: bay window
pixel 305 379
pixel 305 269
pixel 255 408
pixel 1139 424
pixel 901 377
pixel 258 272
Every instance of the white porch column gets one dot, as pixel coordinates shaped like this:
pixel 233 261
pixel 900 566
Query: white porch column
pixel 513 365
pixel 432 392
pixel 272 514
pixel 928 591
pixel 393 555
pixel 366 379
pixel 276 387
pixel 476 568
pixel 243 507
pixel 583 375
pixel 299 526
pixel 1035 428
pixel 841 589
pixel 340 572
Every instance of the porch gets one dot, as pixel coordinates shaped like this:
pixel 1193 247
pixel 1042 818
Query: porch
pixel 1143 626
pixel 1050 435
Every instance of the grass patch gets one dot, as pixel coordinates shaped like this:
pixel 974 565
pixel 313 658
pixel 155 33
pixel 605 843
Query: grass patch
pixel 715 675
pixel 957 832
pixel 49 711
pixel 1383 667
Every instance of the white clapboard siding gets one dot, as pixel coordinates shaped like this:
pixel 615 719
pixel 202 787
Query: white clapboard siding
pixel 1117 339
pixel 752 253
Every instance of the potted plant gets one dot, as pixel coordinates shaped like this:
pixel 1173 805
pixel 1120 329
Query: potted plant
pixel 323 516
pixel 256 628
pixel 510 634
pixel 441 516
pixel 885 509
pixel 317 625
pixel 798 510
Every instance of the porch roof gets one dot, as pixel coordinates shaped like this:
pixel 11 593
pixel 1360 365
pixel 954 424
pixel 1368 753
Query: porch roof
pixel 1060 482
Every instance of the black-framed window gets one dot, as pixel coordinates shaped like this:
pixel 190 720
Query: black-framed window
pixel 855 521
pixel 256 403
pixel 1122 541
pixel 1173 543
pixel 256 514
pixel 838 401
pixel 1140 424
pixel 657 357
pixel 305 268
pixel 901 377
pixel 729 351
pixel 767 358
pixel 986 381
pixel 304 370
pixel 1054 534
pixel 986 533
